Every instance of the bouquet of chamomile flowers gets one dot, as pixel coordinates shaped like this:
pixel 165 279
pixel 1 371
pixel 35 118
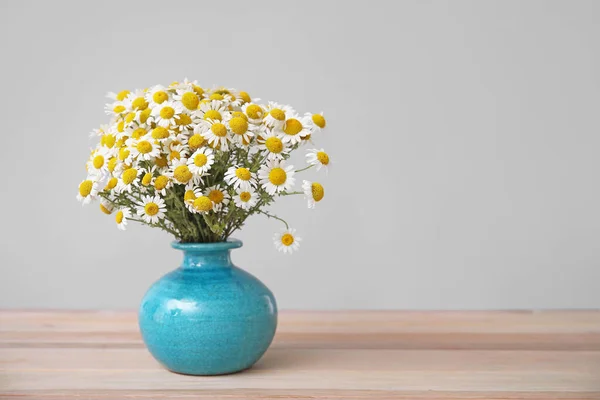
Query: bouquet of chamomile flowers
pixel 198 162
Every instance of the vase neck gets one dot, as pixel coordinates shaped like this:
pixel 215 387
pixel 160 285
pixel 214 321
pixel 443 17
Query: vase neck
pixel 207 255
pixel 213 259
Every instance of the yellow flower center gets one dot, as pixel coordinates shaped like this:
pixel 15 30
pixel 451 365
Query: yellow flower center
pixel 160 97
pixel 274 145
pixel 198 90
pixel 200 160
pixel 292 126
pixel 129 175
pixel 254 111
pixel 122 95
pixel 138 133
pixel 144 115
pixel 243 174
pixel 317 191
pixel 109 141
pixel 323 157
pixel 123 153
pixel 167 112
pixel 151 209
pixel 161 161
pixel 203 203
pixel 112 182
pixel 119 216
pixel 319 120
pixel 144 146
pixel 183 119
pixel 219 129
pixel 129 117
pixel 216 96
pixel 245 196
pixel 174 155
pixel 239 114
pixel 278 114
pixel 195 141
pixel 287 239
pixel 245 97
pixel 190 100
pixel 182 174
pixel 139 104
pixel 160 133
pixel 98 161
pixel 161 182
pixel 147 178
pixel 118 109
pixel 85 188
pixel 189 196
pixel 216 196
pixel 213 114
pixel 104 209
pixel 112 164
pixel 238 125
pixel 277 176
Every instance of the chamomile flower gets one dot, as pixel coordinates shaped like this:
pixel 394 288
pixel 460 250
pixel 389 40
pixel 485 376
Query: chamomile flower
pixel 152 209
pixel 276 114
pixel 240 177
pixel 211 110
pixel 294 130
pixel 313 191
pixel 217 135
pixel 180 172
pixel 276 177
pixel 318 158
pixel 147 175
pixel 191 193
pixel 121 217
pixel 164 113
pixel 287 241
pixel 156 96
pixel 245 198
pixel 242 130
pixel 118 106
pixel 98 162
pixel 272 145
pixel 162 183
pixel 143 149
pixel 88 190
pixel 176 152
pixel 185 121
pixel 254 112
pixel 128 180
pixel 136 101
pixel 218 196
pixel 106 207
pixel 188 98
pixel 318 120
pixel 202 205
pixel 201 161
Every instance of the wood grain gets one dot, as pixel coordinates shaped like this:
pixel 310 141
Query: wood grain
pixel 316 355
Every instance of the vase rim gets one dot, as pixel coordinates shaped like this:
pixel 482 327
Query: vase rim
pixel 208 247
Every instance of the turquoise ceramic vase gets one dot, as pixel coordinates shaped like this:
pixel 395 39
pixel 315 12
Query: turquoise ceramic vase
pixel 208 317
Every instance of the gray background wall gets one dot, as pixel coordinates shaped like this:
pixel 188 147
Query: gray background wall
pixel 464 137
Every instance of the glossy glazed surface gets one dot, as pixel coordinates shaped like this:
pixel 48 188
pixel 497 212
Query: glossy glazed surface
pixel 208 317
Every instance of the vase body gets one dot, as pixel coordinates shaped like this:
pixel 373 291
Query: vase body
pixel 208 317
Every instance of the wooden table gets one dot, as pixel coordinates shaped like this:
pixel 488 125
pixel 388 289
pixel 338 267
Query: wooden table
pixel 316 355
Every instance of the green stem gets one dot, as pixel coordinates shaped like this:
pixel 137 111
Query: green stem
pixel 304 169
pixel 289 193
pixel 274 216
